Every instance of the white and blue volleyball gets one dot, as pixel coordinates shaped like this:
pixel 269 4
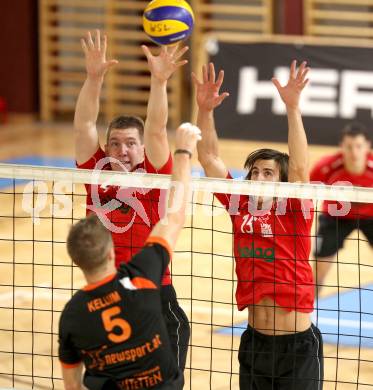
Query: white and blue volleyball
pixel 167 22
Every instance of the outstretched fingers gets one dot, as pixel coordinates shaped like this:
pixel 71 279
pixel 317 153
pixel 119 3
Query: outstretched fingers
pixel 89 41
pixel 180 63
pixel 276 83
pixel 205 74
pixel 293 69
pixel 304 75
pixel 97 41
pixel 222 97
pixel 304 83
pixel 111 63
pixel 302 79
pixel 147 52
pixel 220 79
pixel 104 43
pixel 164 51
pixel 299 76
pixel 171 50
pixel 212 73
pixel 301 70
pixel 180 53
pixel 209 76
pixel 84 46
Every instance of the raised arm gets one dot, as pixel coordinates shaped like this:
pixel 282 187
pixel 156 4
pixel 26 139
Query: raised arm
pixel 88 104
pixel 208 98
pixel 297 139
pixel 161 67
pixel 170 226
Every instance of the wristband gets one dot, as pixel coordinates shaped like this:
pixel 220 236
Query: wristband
pixel 183 151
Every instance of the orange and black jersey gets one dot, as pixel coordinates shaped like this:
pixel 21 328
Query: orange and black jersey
pixel 116 328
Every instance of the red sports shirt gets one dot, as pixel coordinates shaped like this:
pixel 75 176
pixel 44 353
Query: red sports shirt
pixel 137 209
pixel 272 252
pixel 330 170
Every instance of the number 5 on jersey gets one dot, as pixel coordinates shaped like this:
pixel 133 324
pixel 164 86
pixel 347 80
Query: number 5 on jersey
pixel 110 323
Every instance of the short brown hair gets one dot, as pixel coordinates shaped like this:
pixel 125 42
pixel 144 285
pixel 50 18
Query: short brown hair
pixel 282 159
pixel 124 122
pixel 355 129
pixel 89 243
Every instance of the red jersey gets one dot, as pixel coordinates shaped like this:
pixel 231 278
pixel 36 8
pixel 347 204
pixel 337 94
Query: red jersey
pixel 272 248
pixel 330 170
pixel 132 213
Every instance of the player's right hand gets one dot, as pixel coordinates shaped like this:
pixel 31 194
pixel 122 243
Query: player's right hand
pixel 163 66
pixel 208 91
pixel 95 55
pixel 187 136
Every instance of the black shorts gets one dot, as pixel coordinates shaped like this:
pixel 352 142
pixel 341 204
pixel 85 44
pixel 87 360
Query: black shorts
pixel 332 232
pixel 104 383
pixel 177 325
pixel 176 383
pixel 289 362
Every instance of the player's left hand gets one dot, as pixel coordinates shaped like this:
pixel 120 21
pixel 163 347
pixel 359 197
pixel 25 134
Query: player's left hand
pixel 163 66
pixel 290 93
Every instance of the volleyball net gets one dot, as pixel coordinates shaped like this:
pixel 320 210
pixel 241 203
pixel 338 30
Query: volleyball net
pixel 37 278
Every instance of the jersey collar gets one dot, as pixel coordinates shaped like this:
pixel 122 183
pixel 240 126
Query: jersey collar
pixel 93 286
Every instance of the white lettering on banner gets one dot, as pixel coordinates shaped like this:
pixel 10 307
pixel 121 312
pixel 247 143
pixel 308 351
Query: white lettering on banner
pixel 352 98
pixel 321 95
pixel 250 89
pixel 319 99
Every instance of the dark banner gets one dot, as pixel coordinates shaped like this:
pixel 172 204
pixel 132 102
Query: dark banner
pixel 340 89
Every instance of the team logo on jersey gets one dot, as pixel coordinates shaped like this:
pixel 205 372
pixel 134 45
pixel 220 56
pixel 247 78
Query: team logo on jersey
pixel 265 226
pixel 266 230
pixel 125 199
pixel 253 252
pixel 97 361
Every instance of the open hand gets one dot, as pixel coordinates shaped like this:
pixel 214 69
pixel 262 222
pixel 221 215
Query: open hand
pixel 163 66
pixel 290 93
pixel 207 91
pixel 95 55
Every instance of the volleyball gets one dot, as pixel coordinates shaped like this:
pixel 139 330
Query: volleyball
pixel 168 21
